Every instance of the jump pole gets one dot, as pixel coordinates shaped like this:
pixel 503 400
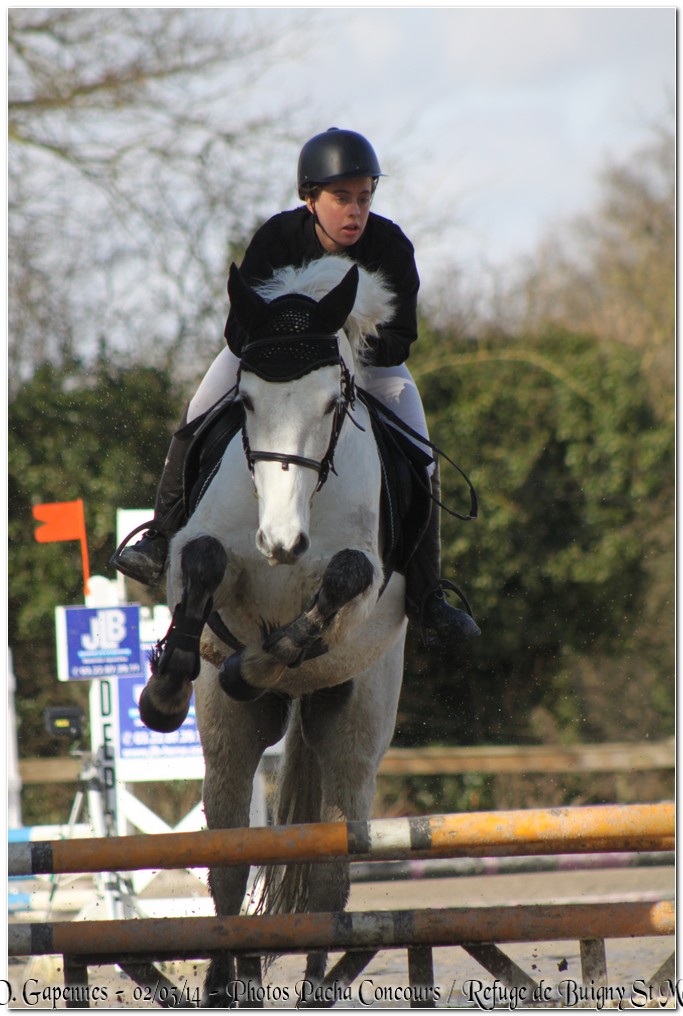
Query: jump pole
pixel 469 867
pixel 594 829
pixel 192 937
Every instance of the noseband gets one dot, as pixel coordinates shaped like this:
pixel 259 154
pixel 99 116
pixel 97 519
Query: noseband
pixel 288 358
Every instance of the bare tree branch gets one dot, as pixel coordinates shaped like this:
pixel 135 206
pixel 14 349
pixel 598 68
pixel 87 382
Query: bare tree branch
pixel 136 159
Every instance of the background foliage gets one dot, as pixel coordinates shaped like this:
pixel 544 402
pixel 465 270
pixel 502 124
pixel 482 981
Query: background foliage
pixel 560 408
pixel 571 470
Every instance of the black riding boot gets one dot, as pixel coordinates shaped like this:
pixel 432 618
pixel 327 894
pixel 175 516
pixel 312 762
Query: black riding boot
pixel 145 561
pixel 426 604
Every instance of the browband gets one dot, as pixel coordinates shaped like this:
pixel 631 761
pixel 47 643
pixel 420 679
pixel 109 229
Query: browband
pixel 289 357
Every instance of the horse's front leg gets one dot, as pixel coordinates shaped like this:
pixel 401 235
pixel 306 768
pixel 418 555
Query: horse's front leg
pixel 234 737
pixel 165 700
pixel 347 593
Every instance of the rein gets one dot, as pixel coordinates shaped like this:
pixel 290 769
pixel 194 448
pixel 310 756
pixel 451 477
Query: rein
pixel 345 404
pixel 378 409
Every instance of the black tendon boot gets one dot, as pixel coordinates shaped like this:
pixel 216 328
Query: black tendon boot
pixel 145 561
pixel 426 604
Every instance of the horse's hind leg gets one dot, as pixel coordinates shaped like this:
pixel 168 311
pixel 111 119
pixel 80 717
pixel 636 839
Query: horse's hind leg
pixel 165 700
pixel 348 728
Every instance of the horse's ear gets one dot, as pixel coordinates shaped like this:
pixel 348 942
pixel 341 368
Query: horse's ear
pixel 335 307
pixel 248 306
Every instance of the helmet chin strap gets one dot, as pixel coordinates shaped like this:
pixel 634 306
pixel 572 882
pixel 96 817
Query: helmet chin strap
pixel 317 222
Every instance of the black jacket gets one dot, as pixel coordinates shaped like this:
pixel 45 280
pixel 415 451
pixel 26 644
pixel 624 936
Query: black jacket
pixel 289 238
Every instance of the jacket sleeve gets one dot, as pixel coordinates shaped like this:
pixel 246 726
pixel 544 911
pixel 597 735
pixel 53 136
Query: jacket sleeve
pixel 394 339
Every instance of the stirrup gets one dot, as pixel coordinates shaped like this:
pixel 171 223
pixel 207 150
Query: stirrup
pixel 151 524
pixel 442 585
pixel 432 641
pixel 126 540
pixel 115 559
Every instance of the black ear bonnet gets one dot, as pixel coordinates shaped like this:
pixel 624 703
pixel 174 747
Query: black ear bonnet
pixel 292 334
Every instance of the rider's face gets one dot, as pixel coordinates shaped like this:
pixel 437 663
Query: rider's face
pixel 342 209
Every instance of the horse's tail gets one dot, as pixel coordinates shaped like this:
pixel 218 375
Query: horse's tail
pixel 298 798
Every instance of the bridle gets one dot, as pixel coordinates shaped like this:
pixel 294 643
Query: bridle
pixel 270 360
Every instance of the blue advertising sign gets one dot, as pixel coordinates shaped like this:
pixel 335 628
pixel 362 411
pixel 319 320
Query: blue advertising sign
pixel 144 754
pixel 97 642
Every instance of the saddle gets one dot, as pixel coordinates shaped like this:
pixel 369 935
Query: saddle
pixel 406 500
pixel 209 436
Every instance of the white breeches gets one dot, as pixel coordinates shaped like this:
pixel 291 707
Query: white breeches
pixel 394 386
pixel 219 379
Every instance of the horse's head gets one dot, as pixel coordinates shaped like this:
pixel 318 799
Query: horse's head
pixel 294 387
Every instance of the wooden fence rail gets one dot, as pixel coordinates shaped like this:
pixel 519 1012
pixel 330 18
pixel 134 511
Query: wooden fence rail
pixel 529 759
pixel 447 761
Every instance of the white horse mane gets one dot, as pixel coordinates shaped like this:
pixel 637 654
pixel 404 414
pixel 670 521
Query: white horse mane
pixel 374 300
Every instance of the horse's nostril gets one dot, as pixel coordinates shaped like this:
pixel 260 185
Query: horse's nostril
pixel 301 546
pixel 261 542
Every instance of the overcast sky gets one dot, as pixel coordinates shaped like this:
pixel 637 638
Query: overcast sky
pixel 492 122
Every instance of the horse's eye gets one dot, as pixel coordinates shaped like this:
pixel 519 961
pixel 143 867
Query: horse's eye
pixel 246 402
pixel 331 405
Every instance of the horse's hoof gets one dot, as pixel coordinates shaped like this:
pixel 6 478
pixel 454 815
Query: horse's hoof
pixel 164 723
pixel 233 683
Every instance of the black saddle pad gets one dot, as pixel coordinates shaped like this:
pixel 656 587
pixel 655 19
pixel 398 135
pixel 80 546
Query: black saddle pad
pixel 405 500
pixel 210 435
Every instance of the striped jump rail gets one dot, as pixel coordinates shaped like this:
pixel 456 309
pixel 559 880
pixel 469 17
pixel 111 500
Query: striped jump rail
pixel 470 867
pixel 595 829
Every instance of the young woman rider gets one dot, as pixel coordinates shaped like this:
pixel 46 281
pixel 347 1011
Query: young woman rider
pixel 338 172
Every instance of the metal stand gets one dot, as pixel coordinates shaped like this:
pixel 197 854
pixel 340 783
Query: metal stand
pixel 114 890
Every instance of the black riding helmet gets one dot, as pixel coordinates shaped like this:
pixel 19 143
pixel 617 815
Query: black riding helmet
pixel 334 155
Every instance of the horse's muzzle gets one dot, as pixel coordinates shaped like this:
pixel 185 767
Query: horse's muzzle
pixel 279 553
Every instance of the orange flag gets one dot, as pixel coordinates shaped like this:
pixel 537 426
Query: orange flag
pixel 63 520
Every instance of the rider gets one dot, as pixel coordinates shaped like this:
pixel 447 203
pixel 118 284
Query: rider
pixel 338 172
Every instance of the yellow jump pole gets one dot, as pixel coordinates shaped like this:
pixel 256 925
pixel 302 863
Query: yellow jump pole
pixel 534 831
